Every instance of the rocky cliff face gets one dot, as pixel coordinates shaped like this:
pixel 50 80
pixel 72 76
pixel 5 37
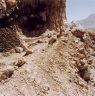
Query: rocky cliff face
pixel 33 17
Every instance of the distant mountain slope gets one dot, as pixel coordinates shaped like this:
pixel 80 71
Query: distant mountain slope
pixel 89 22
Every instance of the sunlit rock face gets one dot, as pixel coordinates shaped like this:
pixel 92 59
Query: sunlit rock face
pixel 50 12
pixel 53 12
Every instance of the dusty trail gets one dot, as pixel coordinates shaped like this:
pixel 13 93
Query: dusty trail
pixel 51 70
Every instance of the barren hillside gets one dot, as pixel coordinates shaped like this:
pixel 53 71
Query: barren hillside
pixel 40 55
pixel 62 66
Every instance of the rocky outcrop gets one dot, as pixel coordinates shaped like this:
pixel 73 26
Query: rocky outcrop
pixel 32 16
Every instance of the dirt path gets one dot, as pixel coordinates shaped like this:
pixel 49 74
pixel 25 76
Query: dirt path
pixel 51 70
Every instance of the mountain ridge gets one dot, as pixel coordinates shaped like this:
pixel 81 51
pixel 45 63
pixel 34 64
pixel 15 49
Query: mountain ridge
pixel 89 22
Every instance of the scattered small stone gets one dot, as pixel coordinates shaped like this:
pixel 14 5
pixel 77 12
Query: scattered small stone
pixel 90 61
pixel 86 76
pixel 64 40
pixel 76 41
pixel 28 52
pixel 81 56
pixel 39 41
pixel 19 49
pixel 81 50
pixel 20 63
pixel 82 62
pixel 49 36
pixel 51 41
pixel 59 35
pixel 46 88
pixel 6 74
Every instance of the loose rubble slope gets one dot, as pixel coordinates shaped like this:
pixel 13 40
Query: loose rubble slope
pixel 58 66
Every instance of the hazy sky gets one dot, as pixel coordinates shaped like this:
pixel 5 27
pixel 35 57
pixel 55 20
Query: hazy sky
pixel 79 9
